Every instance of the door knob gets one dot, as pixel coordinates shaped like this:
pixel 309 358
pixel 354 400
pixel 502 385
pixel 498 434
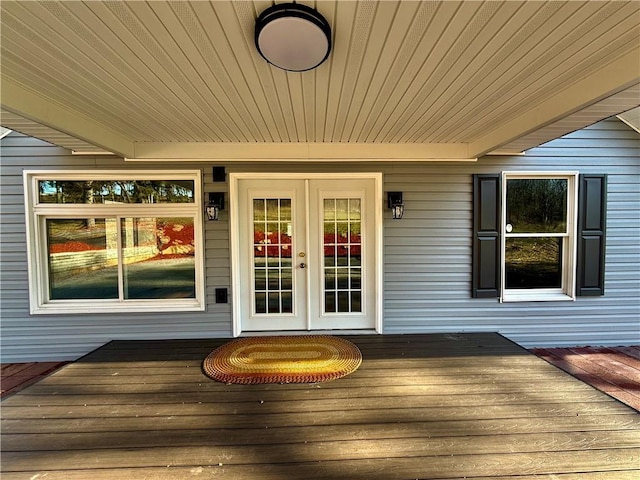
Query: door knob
pixel 303 265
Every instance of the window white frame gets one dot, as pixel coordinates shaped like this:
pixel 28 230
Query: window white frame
pixel 37 213
pixel 567 291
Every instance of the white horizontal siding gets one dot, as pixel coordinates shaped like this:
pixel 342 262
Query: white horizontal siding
pixel 427 254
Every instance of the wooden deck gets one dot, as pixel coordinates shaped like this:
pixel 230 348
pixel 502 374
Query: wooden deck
pixel 420 406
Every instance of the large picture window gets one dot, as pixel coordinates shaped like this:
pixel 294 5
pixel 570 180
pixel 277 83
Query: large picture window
pixel 105 241
pixel 539 237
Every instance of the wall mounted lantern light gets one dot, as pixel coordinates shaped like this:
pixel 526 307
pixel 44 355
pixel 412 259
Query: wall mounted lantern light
pixel 216 203
pixel 293 37
pixel 394 201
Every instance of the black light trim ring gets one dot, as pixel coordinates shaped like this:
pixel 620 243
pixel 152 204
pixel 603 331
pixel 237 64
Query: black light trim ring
pixel 295 10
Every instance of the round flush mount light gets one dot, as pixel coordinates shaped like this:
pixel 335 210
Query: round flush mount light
pixel 293 37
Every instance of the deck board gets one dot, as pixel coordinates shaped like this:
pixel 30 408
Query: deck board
pixel 420 406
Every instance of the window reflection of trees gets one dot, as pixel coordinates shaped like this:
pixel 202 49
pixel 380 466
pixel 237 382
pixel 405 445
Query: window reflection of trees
pixel 115 191
pixel 537 205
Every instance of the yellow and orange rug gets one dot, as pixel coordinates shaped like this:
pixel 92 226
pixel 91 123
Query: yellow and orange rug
pixel 283 359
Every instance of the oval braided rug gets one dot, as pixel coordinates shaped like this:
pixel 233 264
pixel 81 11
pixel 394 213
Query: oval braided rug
pixel 286 359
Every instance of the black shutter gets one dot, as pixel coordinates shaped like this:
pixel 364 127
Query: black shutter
pixel 592 213
pixel 486 236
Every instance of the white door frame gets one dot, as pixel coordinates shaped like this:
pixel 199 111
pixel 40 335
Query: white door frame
pixel 234 225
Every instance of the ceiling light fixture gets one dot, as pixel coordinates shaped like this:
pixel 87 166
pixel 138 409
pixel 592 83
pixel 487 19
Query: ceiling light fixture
pixel 293 37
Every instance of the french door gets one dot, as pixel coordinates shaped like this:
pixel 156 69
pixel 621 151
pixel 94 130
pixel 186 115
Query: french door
pixel 305 254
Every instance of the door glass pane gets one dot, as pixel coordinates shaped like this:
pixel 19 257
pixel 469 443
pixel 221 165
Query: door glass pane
pixel 342 248
pixel 272 267
pixel 533 262
pixel 158 257
pixel 83 258
pixel 537 205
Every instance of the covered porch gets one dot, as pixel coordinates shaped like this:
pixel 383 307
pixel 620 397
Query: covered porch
pixel 420 406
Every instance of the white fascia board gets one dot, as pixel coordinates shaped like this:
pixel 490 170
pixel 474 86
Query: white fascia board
pixel 4 132
pixel 631 118
pixel 618 75
pixel 29 104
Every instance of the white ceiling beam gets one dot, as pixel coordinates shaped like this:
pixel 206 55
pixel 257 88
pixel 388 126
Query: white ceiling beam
pixel 301 151
pixel 31 105
pixel 620 74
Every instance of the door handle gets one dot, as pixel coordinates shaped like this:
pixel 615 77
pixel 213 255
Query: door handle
pixel 303 265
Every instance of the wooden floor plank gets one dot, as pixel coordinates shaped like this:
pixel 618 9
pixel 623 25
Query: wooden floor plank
pixel 403 395
pixel 327 451
pixel 453 466
pixel 600 362
pixel 441 378
pixel 614 475
pixel 359 389
pixel 632 351
pixel 615 353
pixel 258 406
pixel 9 369
pixel 267 419
pixel 16 377
pixel 217 471
pixel 23 439
pixel 546 418
pixel 582 369
pixel 602 378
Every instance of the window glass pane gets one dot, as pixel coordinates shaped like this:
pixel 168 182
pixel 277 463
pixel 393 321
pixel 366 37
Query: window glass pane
pixel 115 191
pixel 83 258
pixel 159 257
pixel 533 262
pixel 537 205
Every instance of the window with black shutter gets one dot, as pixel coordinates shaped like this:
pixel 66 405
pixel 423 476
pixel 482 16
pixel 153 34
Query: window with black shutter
pixel 538 236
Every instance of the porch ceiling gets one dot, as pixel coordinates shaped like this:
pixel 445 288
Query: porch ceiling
pixel 405 79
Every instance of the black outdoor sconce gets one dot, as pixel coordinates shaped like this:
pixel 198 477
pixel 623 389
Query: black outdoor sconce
pixel 394 201
pixel 216 203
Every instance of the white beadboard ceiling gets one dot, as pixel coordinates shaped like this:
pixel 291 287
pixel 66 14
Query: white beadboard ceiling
pixel 418 80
